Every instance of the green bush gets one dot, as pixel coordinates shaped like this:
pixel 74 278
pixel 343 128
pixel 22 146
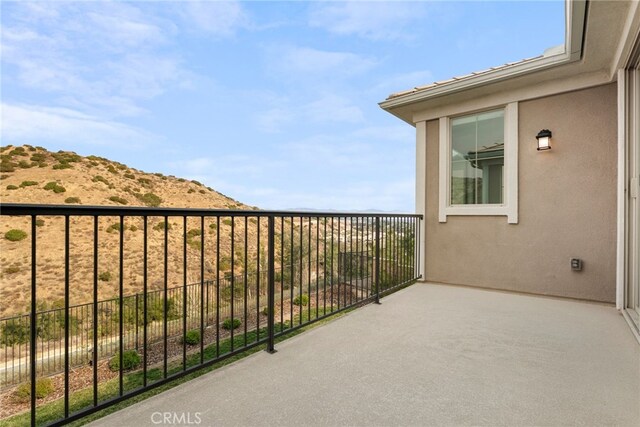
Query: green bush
pixel 229 324
pixel 28 183
pixel 11 270
pixel 44 387
pixel 111 169
pixel 12 187
pixel 72 200
pixel 39 222
pixel 146 182
pixel 191 190
pixel 15 235
pixel 118 199
pixel 129 175
pixel 197 183
pixel 55 187
pixel 162 226
pixel 15 331
pixel 7 166
pixel 194 232
pixel 150 199
pixel 105 276
pixel 192 337
pixel 301 300
pixel 26 165
pixel 113 228
pixel 100 178
pixel 62 166
pixel 38 157
pixel 227 222
pixel 130 360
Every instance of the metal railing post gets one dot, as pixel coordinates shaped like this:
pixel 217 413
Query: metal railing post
pixel 271 286
pixel 377 260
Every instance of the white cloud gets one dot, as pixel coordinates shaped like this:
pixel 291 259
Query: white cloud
pixel 333 108
pixel 306 62
pixel 39 125
pixel 371 20
pixel 100 57
pixel 217 18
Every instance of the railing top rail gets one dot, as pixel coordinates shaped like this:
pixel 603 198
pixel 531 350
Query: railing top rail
pixel 7 209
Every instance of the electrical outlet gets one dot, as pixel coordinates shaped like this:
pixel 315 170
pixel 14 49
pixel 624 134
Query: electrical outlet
pixel 576 264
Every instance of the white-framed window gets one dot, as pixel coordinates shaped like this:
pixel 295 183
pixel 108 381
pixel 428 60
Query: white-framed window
pixel 479 163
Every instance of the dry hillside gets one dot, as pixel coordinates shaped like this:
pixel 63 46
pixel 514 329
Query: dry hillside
pixel 35 175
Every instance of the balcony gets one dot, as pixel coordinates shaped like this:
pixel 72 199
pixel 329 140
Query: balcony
pixel 123 300
pixel 429 355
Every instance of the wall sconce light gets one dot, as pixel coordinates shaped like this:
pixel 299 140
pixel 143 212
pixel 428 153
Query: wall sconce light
pixel 544 140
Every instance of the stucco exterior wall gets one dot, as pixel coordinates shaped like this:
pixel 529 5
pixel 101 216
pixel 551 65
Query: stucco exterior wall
pixel 567 207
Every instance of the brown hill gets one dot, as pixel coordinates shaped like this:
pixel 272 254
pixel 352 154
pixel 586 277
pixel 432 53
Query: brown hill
pixel 35 175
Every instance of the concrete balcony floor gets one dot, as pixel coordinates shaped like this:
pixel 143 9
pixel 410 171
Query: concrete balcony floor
pixel 429 355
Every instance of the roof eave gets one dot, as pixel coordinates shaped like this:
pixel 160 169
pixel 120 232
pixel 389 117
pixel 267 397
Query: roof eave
pixel 575 23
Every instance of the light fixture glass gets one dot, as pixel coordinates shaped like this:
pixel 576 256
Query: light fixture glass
pixel 544 139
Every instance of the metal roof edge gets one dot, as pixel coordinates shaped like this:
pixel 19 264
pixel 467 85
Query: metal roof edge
pixel 576 14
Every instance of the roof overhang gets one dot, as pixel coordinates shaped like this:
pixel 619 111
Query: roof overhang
pixel 598 41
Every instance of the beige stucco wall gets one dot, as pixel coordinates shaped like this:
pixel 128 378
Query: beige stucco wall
pixel 567 207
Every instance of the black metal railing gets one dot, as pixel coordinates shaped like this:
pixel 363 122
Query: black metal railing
pixel 254 276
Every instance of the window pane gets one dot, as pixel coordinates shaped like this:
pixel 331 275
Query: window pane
pixel 477 158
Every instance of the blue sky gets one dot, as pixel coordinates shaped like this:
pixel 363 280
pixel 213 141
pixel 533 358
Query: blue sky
pixel 272 103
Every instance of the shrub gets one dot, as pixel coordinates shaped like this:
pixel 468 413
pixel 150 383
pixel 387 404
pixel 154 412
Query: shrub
pixel 39 222
pixel 18 151
pixel 105 276
pixel 192 337
pixel 38 157
pixel 15 235
pixel 14 331
pixel 115 227
pixel 118 199
pixel 197 183
pixel 130 360
pixel 112 169
pixel 162 226
pixel 191 190
pixel 44 387
pixel 12 187
pixel 62 166
pixel 227 222
pixel 129 175
pixel 100 178
pixel 42 164
pixel 55 187
pixel 146 182
pixel 202 192
pixel 28 183
pixel 213 226
pixel 133 228
pixel 26 165
pixel 12 270
pixel 231 324
pixel 7 166
pixel 301 300
pixel 194 232
pixel 4 177
pixel 72 200
pixel 151 199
